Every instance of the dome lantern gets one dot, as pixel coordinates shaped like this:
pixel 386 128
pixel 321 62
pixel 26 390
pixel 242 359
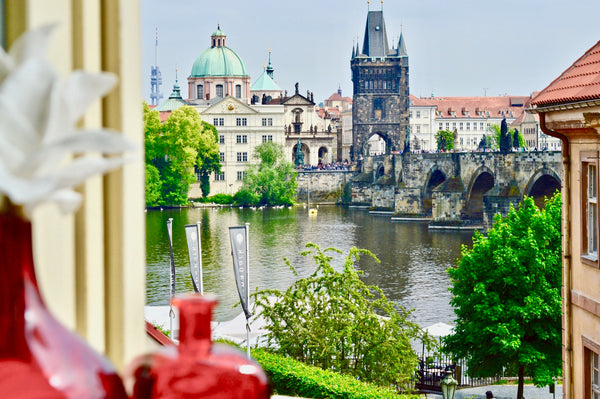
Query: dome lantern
pixel 217 39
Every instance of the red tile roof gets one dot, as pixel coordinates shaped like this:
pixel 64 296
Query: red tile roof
pixel 580 82
pixel 337 97
pixel 474 107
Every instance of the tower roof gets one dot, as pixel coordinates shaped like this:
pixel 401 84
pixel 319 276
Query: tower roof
pixel 175 101
pixel 402 47
pixel 375 43
pixel 265 83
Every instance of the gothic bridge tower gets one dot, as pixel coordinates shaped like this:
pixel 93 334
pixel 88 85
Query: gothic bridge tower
pixel 381 96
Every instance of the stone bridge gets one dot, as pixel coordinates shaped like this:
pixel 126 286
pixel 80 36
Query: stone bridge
pixel 456 188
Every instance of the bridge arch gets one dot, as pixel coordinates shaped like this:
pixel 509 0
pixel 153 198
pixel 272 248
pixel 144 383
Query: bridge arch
pixel 543 183
pixel 376 143
pixel 435 177
pixel 481 182
pixel 379 171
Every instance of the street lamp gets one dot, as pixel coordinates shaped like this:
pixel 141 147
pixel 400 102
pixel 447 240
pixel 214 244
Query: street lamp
pixel 448 385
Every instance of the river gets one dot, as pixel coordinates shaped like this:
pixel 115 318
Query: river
pixel 411 273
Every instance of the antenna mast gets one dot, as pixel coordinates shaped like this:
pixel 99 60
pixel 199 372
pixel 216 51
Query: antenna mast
pixel 155 76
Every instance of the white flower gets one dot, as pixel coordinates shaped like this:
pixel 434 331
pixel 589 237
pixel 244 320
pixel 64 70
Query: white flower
pixel 38 114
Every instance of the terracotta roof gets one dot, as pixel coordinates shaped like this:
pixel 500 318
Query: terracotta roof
pixel 474 107
pixel 580 82
pixel 335 97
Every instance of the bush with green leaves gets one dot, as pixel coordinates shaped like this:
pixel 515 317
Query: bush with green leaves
pixel 291 377
pixel 271 181
pixel 335 321
pixel 507 299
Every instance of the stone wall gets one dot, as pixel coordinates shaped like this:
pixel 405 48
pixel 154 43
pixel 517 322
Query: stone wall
pixel 323 186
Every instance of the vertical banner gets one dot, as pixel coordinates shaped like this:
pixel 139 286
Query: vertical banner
pixel 239 252
pixel 192 233
pixel 171 275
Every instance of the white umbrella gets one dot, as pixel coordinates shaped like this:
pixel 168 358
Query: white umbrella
pixel 439 330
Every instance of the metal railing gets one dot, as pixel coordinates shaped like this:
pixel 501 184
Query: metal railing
pixel 433 367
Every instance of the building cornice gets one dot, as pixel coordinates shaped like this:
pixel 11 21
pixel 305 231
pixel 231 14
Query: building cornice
pixel 564 107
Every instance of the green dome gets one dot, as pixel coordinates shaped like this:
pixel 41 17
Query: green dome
pixel 218 61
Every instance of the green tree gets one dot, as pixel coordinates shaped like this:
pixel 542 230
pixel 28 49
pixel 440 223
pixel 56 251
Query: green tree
pixel 272 181
pixel 506 296
pixel 208 160
pixel 175 149
pixel 494 137
pixel 445 140
pixel 335 321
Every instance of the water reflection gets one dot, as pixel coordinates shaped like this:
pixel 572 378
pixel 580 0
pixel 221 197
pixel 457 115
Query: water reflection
pixel 411 272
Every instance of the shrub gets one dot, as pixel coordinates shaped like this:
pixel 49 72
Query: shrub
pixel 291 377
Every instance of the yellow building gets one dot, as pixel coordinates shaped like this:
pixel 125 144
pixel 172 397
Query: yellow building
pixel 569 109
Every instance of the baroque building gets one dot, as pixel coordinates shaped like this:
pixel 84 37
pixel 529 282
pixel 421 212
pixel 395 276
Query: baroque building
pixel 247 115
pixel 381 94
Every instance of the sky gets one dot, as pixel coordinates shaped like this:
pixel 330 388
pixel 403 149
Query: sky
pixel 455 48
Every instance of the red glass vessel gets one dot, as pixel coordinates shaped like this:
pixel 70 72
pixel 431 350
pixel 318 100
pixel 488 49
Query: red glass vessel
pixel 198 368
pixel 40 358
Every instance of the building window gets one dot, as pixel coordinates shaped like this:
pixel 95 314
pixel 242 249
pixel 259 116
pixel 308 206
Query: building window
pixel 220 176
pixel 447 125
pixel 267 121
pixel 589 199
pixel 241 121
pixel 591 368
pixel 418 114
pixel 418 129
pixel 242 157
pixel 267 137
pixel 441 126
pixel 222 156
pixel 453 125
pixel 468 125
pixel 238 91
pixel 480 125
pixel 221 139
pixel 219 90
pixel 218 121
pixel 241 175
pixel 378 108
pixel 241 139
pixel 200 92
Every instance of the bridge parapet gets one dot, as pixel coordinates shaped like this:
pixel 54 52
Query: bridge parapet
pixel 462 186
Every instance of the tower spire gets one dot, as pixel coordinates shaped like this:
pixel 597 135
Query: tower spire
pixel 270 68
pixel 155 76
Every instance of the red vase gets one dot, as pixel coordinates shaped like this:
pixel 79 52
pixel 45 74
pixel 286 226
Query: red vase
pixel 198 368
pixel 39 358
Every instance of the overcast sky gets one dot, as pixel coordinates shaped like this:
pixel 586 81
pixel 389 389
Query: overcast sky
pixel 455 48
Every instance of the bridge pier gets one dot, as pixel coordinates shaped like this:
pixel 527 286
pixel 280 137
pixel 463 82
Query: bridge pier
pixel 455 188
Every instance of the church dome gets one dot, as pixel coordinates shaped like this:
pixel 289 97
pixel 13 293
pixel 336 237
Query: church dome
pixel 218 60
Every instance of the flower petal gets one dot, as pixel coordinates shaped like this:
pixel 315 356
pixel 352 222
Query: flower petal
pixel 103 141
pixel 80 89
pixel 32 44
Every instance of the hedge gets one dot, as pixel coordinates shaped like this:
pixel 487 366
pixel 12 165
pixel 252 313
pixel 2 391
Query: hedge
pixel 291 377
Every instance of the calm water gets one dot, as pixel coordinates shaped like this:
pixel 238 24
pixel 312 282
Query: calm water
pixel 411 272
